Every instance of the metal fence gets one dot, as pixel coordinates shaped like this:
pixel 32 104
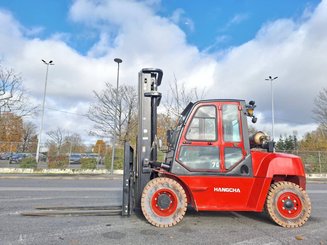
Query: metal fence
pixel 73 161
pixel 20 155
pixel 314 161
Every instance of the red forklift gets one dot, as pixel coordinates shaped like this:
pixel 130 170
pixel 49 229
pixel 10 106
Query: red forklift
pixel 212 164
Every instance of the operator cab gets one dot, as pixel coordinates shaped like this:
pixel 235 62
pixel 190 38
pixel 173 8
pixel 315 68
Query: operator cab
pixel 211 138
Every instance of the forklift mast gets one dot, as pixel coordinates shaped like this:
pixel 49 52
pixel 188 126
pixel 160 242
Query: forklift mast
pixel 148 101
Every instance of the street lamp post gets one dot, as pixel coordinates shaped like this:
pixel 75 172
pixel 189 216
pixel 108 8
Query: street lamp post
pixel 118 61
pixel 42 116
pixel 271 79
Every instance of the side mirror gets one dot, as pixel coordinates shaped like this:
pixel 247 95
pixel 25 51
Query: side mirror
pixel 168 134
pixel 250 111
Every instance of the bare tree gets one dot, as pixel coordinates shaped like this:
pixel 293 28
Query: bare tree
pixel 103 111
pixel 320 109
pixel 74 143
pixel 129 121
pixel 106 107
pixel 56 139
pixel 29 137
pixel 12 94
pixel 180 97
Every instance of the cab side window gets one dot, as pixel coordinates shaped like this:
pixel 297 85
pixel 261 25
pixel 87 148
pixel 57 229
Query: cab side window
pixel 200 158
pixel 231 127
pixel 232 156
pixel 231 124
pixel 203 125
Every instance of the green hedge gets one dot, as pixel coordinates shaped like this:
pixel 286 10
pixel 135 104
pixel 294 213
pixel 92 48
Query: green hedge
pixel 118 161
pixel 60 161
pixel 88 163
pixel 29 162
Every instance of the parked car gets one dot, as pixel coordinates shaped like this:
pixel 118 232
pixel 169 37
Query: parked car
pixel 18 157
pixel 42 157
pixel 5 156
pixel 95 156
pixel 90 155
pixel 75 158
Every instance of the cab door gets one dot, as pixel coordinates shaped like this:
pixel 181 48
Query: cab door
pixel 210 148
pixel 198 147
pixel 231 137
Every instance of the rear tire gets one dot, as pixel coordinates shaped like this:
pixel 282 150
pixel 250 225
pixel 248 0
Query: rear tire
pixel 288 204
pixel 163 202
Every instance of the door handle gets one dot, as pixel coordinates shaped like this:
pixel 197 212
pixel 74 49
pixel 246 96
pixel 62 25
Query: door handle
pixel 187 143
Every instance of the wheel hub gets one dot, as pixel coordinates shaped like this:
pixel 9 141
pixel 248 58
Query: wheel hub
pixel 163 201
pixel 289 205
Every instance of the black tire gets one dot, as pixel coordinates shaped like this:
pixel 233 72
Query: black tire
pixel 288 204
pixel 163 202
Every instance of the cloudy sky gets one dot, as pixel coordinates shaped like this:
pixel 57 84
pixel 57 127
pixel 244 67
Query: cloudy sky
pixel 226 47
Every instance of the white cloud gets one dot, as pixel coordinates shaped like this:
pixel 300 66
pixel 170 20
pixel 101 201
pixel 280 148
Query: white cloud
pixel 133 31
pixel 179 18
pixel 235 20
pixel 282 48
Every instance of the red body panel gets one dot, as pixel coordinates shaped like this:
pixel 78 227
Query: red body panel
pixel 224 193
pixel 238 193
pixel 219 193
pixel 268 165
pixel 227 191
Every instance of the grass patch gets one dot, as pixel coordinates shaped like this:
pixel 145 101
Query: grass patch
pixel 29 162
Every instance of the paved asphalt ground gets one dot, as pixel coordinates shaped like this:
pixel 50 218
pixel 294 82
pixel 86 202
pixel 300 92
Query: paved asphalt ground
pixel 19 194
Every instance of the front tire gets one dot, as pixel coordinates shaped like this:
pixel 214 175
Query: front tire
pixel 288 204
pixel 163 202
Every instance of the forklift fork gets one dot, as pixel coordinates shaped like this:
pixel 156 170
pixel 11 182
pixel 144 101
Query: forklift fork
pixel 128 175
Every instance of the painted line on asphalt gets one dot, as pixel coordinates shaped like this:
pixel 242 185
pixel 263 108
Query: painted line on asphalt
pixel 58 189
pixel 55 198
pixel 317 191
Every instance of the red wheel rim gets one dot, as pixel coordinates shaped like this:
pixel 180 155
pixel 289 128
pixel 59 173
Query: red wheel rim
pixel 289 205
pixel 171 205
